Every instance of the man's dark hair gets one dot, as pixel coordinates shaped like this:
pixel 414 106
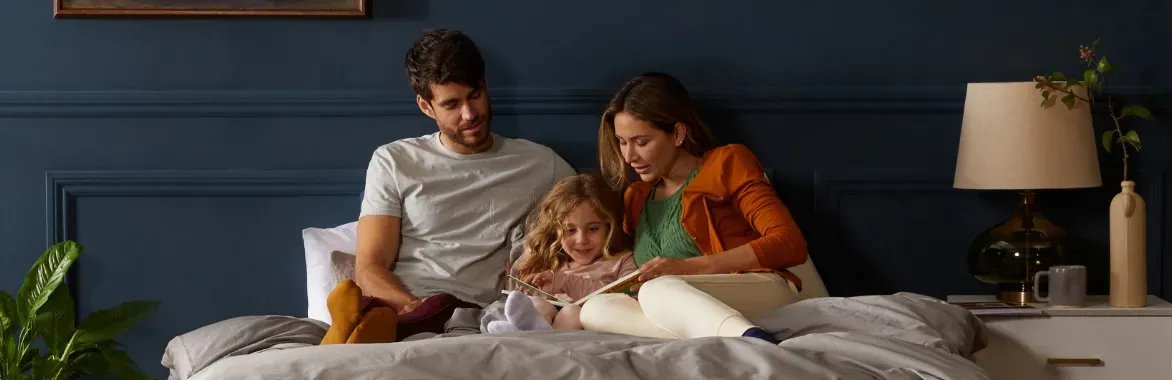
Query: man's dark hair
pixel 443 56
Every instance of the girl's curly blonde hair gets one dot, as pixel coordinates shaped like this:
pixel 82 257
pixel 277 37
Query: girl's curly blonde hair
pixel 545 225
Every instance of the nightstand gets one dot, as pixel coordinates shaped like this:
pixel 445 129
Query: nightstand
pixel 1093 342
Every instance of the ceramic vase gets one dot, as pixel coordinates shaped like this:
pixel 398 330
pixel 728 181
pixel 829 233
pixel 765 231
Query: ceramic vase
pixel 1129 284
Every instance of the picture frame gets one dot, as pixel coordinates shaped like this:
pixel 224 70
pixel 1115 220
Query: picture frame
pixel 185 8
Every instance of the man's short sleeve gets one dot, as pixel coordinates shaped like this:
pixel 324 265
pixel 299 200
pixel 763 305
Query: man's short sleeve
pixel 381 196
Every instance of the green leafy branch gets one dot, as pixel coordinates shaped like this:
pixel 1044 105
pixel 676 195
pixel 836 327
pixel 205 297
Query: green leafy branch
pixel 44 309
pixel 1094 79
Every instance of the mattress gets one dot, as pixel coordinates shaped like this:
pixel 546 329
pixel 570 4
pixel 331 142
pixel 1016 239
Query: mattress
pixel 899 336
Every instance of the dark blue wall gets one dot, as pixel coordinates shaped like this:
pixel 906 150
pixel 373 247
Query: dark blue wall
pixel 187 154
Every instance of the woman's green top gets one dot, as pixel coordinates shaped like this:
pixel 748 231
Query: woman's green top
pixel 660 231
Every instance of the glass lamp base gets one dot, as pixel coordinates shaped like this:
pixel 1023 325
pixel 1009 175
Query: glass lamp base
pixel 1009 253
pixel 1018 298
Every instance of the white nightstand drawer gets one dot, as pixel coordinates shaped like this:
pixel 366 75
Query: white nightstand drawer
pixel 1055 348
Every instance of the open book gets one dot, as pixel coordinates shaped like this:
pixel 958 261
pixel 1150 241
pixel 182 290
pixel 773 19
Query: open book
pixel 616 286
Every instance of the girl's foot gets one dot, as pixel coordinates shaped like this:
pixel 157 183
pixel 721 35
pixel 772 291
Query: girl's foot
pixel 520 312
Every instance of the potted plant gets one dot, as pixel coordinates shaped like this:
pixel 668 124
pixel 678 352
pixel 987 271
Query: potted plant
pixel 44 309
pixel 1128 283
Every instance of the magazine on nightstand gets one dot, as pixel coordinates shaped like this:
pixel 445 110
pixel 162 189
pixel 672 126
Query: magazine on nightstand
pixel 997 308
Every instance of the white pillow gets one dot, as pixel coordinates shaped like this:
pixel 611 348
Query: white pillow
pixel 325 263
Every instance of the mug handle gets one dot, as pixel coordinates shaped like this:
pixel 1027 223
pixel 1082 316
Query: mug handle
pixel 1038 280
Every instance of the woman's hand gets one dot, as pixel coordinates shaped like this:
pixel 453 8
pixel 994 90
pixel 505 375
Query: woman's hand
pixel 662 266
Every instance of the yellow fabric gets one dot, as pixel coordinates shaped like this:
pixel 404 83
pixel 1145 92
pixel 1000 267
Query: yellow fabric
pixel 350 325
pixel 377 326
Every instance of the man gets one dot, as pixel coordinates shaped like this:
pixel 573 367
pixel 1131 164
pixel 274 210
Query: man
pixel 441 212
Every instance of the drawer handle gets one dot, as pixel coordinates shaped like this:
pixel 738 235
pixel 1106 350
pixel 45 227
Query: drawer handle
pixel 1075 362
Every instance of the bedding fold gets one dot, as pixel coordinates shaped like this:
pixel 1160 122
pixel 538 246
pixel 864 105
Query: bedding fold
pixel 898 336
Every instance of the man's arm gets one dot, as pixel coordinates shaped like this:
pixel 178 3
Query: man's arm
pixel 378 248
pixel 379 233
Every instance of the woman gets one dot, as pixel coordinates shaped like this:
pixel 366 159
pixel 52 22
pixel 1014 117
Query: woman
pixel 711 236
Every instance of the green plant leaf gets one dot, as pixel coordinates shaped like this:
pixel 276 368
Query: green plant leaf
pixel 1045 97
pixel 1071 83
pixel 8 315
pixel 31 360
pixel 91 362
pixel 1108 140
pixel 107 359
pixel 1091 78
pixel 1095 43
pixel 1132 139
pixel 1058 76
pixel 103 325
pixel 6 356
pixel 43 368
pixel 1068 100
pixel 45 275
pixel 1104 66
pixel 121 364
pixel 1134 110
pixel 55 321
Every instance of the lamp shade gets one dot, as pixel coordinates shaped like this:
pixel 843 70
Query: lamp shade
pixel 1009 141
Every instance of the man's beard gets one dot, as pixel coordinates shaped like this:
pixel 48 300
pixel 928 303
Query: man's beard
pixel 473 142
pixel 456 136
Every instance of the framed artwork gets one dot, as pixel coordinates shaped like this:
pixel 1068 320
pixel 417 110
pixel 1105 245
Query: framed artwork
pixel 164 8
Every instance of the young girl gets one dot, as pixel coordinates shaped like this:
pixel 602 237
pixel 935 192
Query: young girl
pixel 574 246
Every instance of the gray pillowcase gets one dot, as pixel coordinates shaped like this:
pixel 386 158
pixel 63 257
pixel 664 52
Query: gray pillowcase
pixel 190 353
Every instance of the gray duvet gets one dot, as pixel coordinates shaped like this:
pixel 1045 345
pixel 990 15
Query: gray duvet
pixel 900 336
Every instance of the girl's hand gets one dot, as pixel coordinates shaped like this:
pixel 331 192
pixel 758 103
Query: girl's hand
pixel 541 280
pixel 662 266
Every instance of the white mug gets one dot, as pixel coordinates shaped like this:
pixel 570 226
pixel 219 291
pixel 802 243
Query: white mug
pixel 1068 285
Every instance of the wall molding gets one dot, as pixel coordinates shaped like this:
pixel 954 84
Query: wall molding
pixel 62 188
pixel 373 103
pixel 832 185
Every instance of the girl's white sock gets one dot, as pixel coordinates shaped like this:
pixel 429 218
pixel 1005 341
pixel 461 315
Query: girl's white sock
pixel 497 327
pixel 519 311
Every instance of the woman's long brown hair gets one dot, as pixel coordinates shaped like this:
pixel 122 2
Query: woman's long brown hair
pixel 543 250
pixel 661 100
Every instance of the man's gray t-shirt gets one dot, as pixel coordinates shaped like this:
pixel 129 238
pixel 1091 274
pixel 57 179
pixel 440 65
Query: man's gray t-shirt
pixel 461 214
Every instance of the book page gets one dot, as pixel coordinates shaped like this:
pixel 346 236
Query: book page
pixel 535 290
pixel 619 285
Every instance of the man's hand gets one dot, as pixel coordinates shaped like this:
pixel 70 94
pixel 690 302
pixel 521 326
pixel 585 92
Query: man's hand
pixel 411 306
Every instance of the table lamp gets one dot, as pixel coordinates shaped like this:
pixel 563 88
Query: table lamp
pixel 1009 141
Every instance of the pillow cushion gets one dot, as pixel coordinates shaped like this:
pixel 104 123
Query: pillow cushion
pixel 325 248
pixel 187 354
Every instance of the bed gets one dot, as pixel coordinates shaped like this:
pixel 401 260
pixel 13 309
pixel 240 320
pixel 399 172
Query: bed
pixel 896 336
